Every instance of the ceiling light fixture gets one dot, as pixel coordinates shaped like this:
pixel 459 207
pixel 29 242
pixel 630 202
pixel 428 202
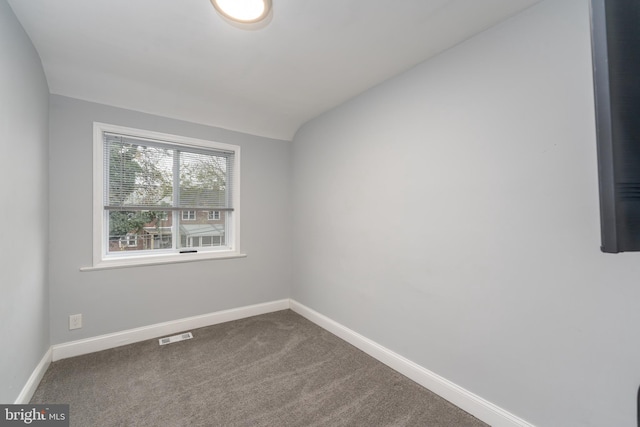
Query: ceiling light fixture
pixel 243 11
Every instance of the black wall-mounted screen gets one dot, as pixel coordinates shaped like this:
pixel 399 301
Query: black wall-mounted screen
pixel 615 29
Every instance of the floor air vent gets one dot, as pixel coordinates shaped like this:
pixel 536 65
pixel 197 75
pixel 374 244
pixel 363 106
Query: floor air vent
pixel 176 338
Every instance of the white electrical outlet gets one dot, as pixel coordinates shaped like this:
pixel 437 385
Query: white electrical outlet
pixel 75 321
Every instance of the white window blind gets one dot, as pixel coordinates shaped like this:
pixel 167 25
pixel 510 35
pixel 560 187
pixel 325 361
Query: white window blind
pixel 144 174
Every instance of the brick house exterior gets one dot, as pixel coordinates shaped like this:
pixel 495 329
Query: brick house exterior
pixel 197 228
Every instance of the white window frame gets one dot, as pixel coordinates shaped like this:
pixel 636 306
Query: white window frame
pixel 130 240
pixel 213 216
pixel 188 218
pixel 103 260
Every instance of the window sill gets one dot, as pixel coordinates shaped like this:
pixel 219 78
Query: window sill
pixel 161 260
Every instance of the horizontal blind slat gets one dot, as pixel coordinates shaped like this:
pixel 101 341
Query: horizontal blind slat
pixel 164 208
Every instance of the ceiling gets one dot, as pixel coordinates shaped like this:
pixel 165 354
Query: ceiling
pixel 180 59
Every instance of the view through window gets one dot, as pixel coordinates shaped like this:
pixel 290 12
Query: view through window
pixel 165 195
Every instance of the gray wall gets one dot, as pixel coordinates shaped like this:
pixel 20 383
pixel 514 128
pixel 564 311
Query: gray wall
pixel 116 300
pixel 451 215
pixel 24 298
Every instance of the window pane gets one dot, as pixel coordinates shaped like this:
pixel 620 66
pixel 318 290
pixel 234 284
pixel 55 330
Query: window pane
pixel 139 230
pixel 202 231
pixel 203 180
pixel 188 215
pixel 138 175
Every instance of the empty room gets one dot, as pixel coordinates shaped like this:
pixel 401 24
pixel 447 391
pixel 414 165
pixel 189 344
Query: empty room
pixel 317 213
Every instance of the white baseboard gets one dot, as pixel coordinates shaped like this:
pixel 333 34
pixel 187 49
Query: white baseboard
pixel 464 399
pixel 34 380
pixel 117 339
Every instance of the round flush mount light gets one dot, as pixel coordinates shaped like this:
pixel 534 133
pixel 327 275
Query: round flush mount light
pixel 243 11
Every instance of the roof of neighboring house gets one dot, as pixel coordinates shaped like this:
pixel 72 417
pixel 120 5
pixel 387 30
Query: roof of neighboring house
pixel 194 230
pixel 157 230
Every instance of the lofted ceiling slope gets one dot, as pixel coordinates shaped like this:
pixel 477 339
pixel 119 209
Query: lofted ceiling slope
pixel 180 59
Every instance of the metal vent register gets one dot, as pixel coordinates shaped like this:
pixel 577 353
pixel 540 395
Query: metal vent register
pixel 176 338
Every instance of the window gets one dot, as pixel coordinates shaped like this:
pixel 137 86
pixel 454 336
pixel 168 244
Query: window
pixel 154 194
pixel 130 240
pixel 188 215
